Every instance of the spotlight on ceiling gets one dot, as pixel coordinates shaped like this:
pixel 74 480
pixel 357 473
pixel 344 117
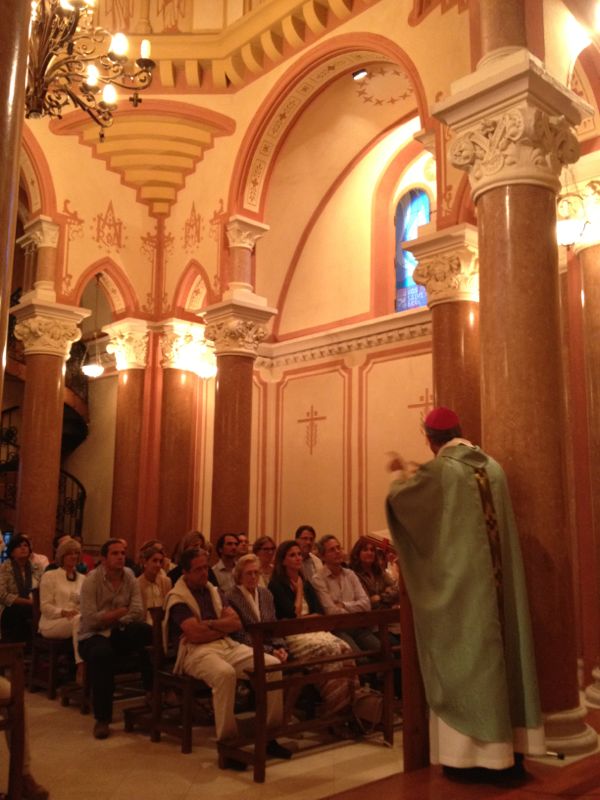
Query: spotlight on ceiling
pixel 359 74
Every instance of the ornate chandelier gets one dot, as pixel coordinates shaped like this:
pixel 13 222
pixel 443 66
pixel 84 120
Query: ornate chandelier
pixel 72 61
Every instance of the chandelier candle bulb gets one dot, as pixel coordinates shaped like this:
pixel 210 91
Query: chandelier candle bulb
pixel 145 49
pixel 109 95
pixel 92 74
pixel 119 45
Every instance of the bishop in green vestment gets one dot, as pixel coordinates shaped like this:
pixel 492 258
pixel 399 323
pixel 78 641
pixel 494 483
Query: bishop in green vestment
pixel 453 528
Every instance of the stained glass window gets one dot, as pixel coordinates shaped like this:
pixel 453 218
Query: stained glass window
pixel 412 211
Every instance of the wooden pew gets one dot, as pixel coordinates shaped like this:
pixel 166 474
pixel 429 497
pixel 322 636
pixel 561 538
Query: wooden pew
pixel 12 717
pixel 299 673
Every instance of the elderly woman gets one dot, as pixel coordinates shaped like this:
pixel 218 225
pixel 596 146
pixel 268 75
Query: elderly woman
pixel 295 597
pixel 154 584
pixel 59 597
pixel 253 603
pixel 18 577
pixel 264 548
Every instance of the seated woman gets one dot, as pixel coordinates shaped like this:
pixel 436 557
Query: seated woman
pixel 253 603
pixel 18 577
pixel 59 598
pixel 264 548
pixel 154 584
pixel 295 597
pixel 190 539
pixel 381 588
pixel 167 563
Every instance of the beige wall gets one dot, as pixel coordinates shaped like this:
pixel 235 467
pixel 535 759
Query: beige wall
pixel 92 462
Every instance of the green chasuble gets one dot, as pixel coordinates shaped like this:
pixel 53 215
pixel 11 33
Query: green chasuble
pixel 477 683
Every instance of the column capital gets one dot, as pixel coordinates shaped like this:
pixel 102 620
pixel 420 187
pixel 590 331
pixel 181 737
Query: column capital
pixel 244 232
pixel 128 342
pixel 183 346
pixel 448 264
pixel 42 231
pixel 48 328
pixel 513 123
pixel 237 328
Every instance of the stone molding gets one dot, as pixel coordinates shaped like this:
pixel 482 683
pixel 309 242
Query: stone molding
pixel 513 124
pixel 48 328
pixel 448 264
pixel 406 327
pixel 183 346
pixel 237 328
pixel 40 232
pixel 244 232
pixel 128 343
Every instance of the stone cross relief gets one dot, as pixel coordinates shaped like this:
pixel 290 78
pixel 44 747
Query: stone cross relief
pixel 310 420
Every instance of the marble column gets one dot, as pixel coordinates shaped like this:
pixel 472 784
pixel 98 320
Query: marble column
pixel 129 343
pixel 182 347
pixel 587 253
pixel 513 135
pixel 237 325
pixel 47 331
pixel 448 268
pixel 13 65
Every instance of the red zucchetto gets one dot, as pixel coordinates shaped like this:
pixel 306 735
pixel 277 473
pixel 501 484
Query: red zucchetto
pixel 442 419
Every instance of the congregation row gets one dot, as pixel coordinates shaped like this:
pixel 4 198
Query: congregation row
pixel 206 610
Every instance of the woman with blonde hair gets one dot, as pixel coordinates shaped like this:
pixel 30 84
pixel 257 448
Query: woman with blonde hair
pixel 60 590
pixel 154 584
pixel 253 603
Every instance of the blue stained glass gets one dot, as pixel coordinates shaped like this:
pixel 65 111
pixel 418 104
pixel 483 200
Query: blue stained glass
pixel 412 211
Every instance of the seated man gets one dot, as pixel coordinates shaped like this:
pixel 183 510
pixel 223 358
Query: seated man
pixel 305 538
pixel 227 550
pixel 112 625
pixel 340 592
pixel 199 617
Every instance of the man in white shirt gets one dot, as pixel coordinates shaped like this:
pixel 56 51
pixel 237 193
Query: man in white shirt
pixel 341 592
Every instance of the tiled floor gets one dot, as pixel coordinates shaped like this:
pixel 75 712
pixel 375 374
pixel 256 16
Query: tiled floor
pixel 127 766
pixel 68 761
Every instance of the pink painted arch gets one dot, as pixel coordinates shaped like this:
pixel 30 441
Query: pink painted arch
pixel 358 48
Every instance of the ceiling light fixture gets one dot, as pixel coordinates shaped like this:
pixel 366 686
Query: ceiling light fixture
pixel 92 367
pixel 359 74
pixel 74 62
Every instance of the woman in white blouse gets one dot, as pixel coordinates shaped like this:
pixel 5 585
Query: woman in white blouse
pixel 59 598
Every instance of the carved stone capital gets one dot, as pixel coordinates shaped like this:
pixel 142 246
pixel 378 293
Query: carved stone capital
pixel 448 264
pixel 40 232
pixel 520 145
pixel 183 346
pixel 237 328
pixel 128 343
pixel 513 124
pixel 48 329
pixel 244 232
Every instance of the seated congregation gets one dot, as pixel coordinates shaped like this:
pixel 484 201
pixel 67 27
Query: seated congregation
pixel 107 614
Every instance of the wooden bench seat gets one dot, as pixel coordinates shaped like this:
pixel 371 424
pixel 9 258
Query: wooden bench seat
pixel 252 749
